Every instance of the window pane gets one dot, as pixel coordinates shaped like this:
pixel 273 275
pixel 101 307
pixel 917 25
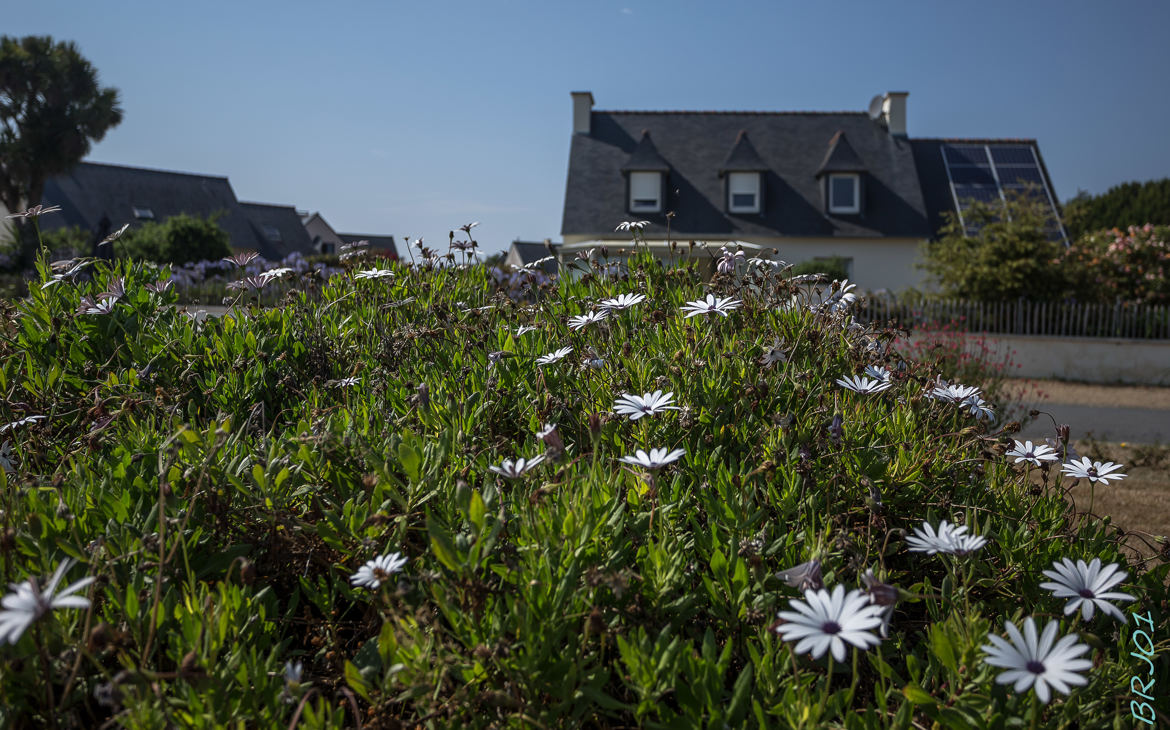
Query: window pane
pixel 743 200
pixel 841 192
pixel 645 189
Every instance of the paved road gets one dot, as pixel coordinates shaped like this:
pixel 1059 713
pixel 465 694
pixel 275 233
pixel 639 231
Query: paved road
pixel 1135 425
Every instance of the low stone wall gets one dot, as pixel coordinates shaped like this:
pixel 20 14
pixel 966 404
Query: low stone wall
pixel 1086 359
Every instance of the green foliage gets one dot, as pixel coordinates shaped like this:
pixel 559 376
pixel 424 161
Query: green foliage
pixel 51 110
pixel 1010 257
pixel 222 478
pixel 834 267
pixel 1128 204
pixel 1131 265
pixel 180 239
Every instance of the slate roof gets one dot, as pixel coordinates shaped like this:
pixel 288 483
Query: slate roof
pixel 932 172
pixel 841 157
pixel 380 243
pixel 529 251
pixel 281 221
pixel 695 144
pixel 743 157
pixel 91 190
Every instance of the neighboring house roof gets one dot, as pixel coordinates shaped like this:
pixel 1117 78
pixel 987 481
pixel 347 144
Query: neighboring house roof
pixel 278 228
pixel 695 147
pixel 381 243
pixel 525 252
pixel 134 195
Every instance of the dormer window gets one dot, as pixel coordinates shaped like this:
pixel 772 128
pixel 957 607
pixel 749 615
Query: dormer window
pixel 143 214
pixel 845 193
pixel 272 233
pixel 645 192
pixel 743 192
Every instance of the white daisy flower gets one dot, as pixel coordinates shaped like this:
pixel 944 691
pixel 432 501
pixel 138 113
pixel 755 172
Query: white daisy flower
pixel 877 372
pixel 826 621
pixel 373 274
pixel 647 404
pixel 631 225
pixel 711 305
pixel 89 306
pixel 947 539
pixel 344 382
pixel 552 357
pixel 1038 662
pixel 1087 587
pixel 952 393
pixel 27 420
pixel 276 273
pixel 805 577
pixel 293 671
pixel 882 595
pixel 656 459
pixel 860 384
pixel 976 406
pixel 524 329
pixel 774 354
pixel 374 572
pixel 1094 471
pixel 516 469
pixel 6 457
pixel 576 323
pixel 1034 454
pixel 29 602
pixel 623 301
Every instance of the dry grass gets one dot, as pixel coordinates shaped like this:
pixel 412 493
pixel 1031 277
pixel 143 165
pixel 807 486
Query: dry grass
pixel 1089 394
pixel 1138 504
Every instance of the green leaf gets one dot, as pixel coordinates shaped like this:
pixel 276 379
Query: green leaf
pixel 917 695
pixel 353 677
pixel 442 546
pixel 410 459
pixel 477 510
pixel 940 644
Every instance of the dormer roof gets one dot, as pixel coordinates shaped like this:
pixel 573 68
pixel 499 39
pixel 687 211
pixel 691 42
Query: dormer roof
pixel 645 157
pixel 743 156
pixel 841 157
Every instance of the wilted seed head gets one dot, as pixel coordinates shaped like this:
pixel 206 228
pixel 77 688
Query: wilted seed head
pixel 1062 432
pixel 836 428
pixel 881 594
pixel 424 396
pixel 247 572
pixel 804 577
pixel 594 421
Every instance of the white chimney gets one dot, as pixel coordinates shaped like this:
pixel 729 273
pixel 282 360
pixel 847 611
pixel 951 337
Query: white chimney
pixel 894 112
pixel 582 111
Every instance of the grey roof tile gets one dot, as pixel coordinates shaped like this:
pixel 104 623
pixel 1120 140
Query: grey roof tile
pixel 743 157
pixel 695 144
pixel 91 190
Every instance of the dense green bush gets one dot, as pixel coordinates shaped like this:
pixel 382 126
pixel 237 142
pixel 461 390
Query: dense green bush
pixel 834 267
pixel 1011 256
pixel 1131 265
pixel 180 239
pixel 223 479
pixel 1122 206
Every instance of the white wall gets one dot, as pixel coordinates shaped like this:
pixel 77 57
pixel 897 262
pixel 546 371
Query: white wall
pixel 1086 359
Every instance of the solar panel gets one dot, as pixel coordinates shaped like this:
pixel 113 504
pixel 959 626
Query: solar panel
pixel 979 193
pixel 972 174
pixel 1012 155
pixel 987 173
pixel 966 154
pixel 1009 176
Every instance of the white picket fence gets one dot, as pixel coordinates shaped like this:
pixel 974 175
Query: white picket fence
pixel 1129 320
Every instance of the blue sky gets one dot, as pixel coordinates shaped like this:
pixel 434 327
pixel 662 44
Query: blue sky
pixel 413 118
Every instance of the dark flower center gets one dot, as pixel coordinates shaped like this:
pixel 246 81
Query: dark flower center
pixel 380 574
pixel 831 627
pixel 1086 593
pixel 1035 667
pixel 1092 471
